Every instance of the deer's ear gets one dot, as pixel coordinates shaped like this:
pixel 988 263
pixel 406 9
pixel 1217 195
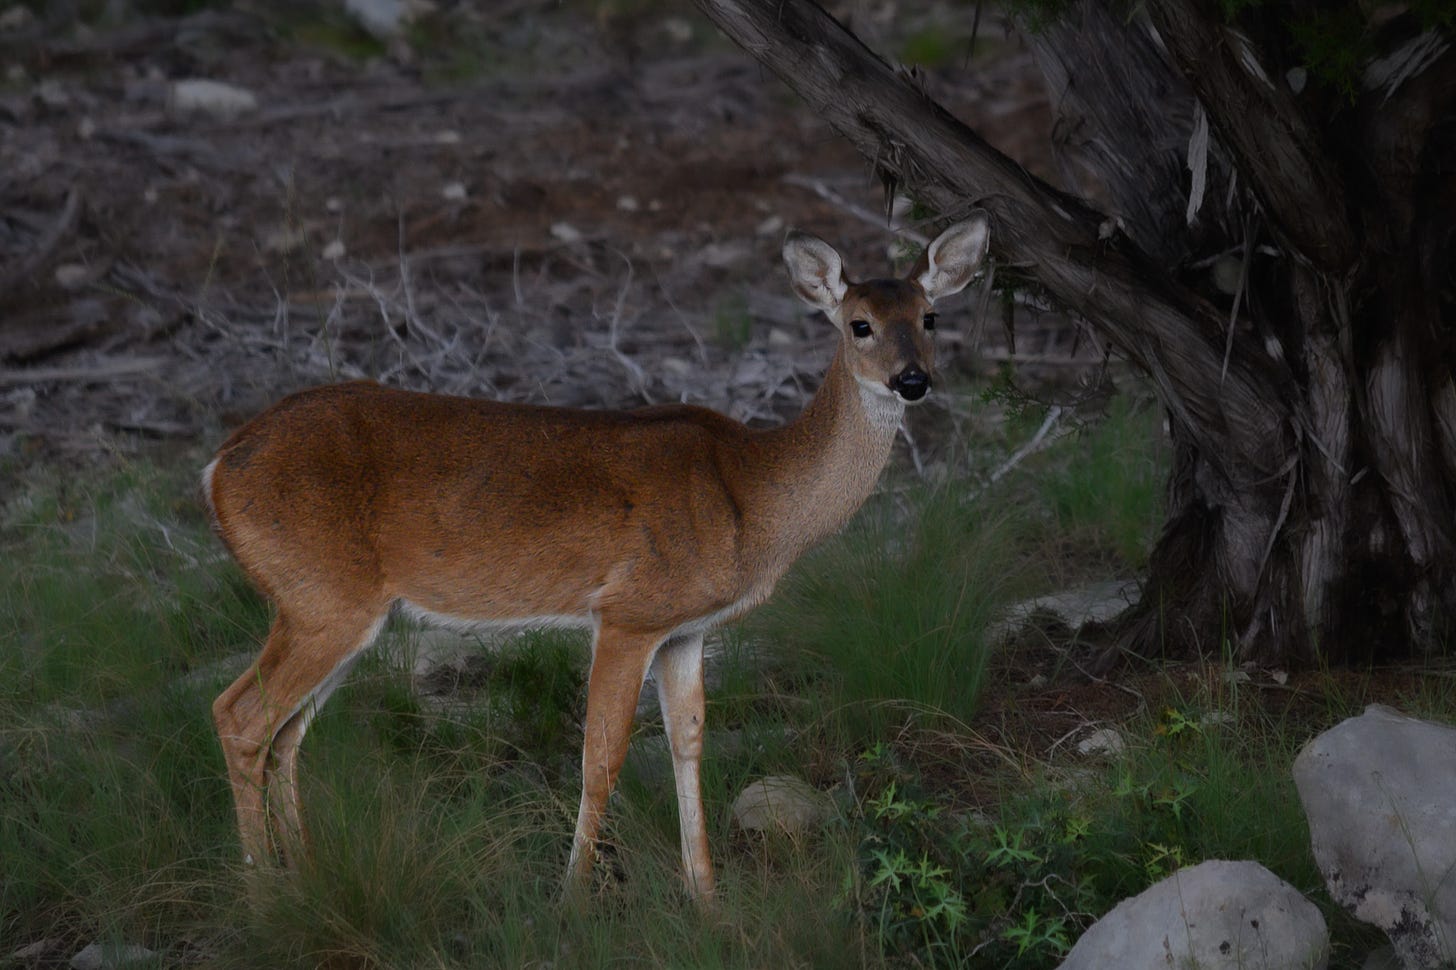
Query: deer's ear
pixel 950 262
pixel 815 270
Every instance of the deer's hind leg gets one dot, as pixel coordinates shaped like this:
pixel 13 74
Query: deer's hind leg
pixel 678 670
pixel 262 717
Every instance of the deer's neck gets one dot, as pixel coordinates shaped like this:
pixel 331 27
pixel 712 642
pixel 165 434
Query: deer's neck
pixel 819 469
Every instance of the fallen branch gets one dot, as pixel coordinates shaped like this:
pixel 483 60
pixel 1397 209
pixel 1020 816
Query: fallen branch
pixel 120 367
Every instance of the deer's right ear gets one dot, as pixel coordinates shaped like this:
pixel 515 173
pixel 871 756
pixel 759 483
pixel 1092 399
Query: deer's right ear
pixel 815 270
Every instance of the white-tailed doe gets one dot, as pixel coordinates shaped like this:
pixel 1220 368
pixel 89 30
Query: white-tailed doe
pixel 648 527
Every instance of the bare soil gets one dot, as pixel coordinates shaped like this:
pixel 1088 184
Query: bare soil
pixel 544 202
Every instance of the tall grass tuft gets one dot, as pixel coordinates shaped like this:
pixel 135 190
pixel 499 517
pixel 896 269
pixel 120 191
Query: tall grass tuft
pixel 893 614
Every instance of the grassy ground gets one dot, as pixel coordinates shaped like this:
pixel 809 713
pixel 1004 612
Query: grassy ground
pixel 441 829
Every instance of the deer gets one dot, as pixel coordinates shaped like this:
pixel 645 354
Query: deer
pixel 647 527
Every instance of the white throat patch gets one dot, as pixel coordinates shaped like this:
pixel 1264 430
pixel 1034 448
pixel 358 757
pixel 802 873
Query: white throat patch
pixel 882 406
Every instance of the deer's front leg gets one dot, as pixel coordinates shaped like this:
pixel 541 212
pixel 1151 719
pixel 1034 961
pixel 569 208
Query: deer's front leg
pixel 678 670
pixel 619 665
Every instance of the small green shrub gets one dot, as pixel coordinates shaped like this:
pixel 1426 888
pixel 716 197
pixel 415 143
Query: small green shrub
pixel 1015 887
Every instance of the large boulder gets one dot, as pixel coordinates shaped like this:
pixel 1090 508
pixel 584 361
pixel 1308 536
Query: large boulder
pixel 1214 916
pixel 1380 794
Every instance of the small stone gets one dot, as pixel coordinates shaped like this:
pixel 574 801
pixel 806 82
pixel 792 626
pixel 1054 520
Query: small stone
pixel 566 232
pixel 654 205
pixel 334 250
pixel 110 957
pixel 1103 741
pixel 71 276
pixel 149 195
pixel 678 30
pixel 628 203
pixel 203 96
pixel 35 951
pixel 15 74
pixel 86 129
pixel 676 366
pixel 334 204
pixel 771 226
pixel 1280 677
pixel 780 338
pixel 1297 78
pixel 1037 681
pixel 454 192
pixel 781 802
pixel 447 137
pixel 52 94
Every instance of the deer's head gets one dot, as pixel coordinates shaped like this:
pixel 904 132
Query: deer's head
pixel 886 324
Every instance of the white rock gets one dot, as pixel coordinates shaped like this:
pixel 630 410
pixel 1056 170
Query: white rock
pixel 566 232
pixel 100 956
pixel 381 19
pixel 1073 608
pixel 628 203
pixel 1379 791
pixel 1214 916
pixel 454 192
pixel 334 204
pixel 203 96
pixel 781 802
pixel 772 226
pixel 1103 741
pixel 334 250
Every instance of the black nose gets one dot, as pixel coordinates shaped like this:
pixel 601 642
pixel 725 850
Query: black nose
pixel 911 383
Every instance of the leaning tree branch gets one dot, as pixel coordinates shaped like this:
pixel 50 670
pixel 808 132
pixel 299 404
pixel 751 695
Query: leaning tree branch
pixel 1276 150
pixel 1077 253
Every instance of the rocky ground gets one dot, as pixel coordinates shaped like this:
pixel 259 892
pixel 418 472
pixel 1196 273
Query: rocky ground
pixel 568 203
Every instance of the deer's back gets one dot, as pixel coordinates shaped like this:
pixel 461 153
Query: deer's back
pixel 485 510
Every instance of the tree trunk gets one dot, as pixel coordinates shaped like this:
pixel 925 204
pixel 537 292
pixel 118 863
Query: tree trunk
pixel 1308 378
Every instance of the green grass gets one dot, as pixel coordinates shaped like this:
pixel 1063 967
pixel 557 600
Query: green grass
pixel 890 616
pixel 1103 489
pixel 442 815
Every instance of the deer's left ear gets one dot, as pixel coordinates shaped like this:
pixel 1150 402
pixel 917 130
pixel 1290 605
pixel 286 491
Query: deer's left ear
pixel 950 262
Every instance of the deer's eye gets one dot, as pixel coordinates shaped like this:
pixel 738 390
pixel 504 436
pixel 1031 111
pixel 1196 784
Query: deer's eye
pixel 859 328
pixel 929 321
